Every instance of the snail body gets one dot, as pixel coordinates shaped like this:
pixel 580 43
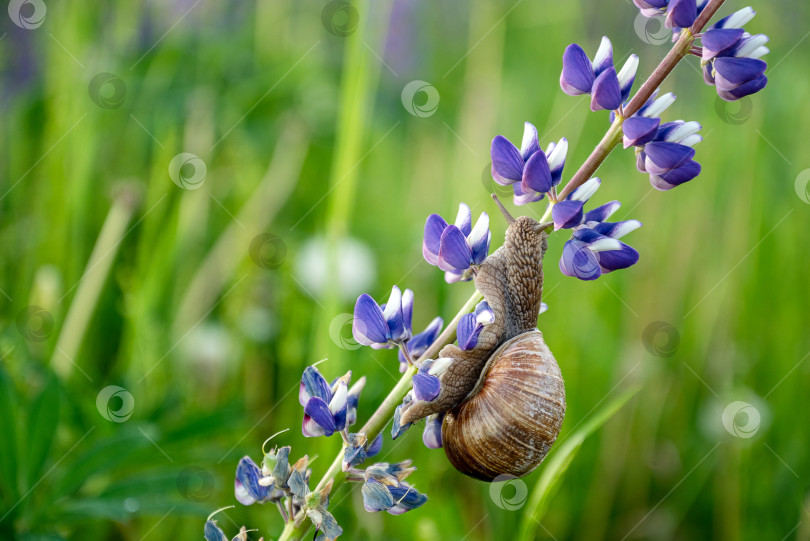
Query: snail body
pixel 503 401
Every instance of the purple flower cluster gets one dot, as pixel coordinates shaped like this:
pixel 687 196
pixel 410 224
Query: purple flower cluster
pixel 664 151
pixel 327 408
pixel 459 248
pixel 594 248
pixel 385 489
pixel 598 78
pixel 731 57
pixel 386 325
pixel 529 171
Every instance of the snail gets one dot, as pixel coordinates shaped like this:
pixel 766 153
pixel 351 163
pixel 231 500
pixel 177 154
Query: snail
pixel 503 400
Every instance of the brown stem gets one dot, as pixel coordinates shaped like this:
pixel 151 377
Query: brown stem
pixel 681 49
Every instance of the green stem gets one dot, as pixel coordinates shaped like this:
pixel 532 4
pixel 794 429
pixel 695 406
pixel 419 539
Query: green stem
pixel 380 418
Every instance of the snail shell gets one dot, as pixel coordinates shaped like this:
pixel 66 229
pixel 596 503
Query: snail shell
pixel 512 417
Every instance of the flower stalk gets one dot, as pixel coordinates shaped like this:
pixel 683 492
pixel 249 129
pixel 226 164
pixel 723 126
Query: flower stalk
pixel 296 528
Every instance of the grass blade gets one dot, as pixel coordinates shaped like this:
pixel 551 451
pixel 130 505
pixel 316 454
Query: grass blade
pixel 558 464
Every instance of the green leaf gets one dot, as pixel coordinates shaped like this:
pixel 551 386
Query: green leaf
pixel 558 464
pixel 8 428
pixel 43 418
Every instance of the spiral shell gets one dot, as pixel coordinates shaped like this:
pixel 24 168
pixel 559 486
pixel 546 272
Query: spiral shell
pixel 510 420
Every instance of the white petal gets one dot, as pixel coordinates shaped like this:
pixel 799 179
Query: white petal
pixel 339 400
pixel 605 50
pixel 683 131
pixel 759 52
pixel 530 137
pixel 660 105
pixel 625 228
pixel 393 305
pixel 464 216
pixel 557 155
pixel 691 140
pixel 480 231
pixel 750 45
pixel 740 18
pixel 584 192
pixel 628 71
pixel 605 244
pixel 440 366
pixel 486 317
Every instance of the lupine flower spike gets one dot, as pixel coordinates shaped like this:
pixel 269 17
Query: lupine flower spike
pixel 529 171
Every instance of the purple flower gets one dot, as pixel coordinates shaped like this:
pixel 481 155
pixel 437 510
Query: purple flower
pixel 432 435
pixel 593 251
pixel 384 488
pixel 668 157
pixel 327 409
pixel 357 449
pixel 731 57
pixel 608 89
pixel 421 342
pixel 530 171
pixel 593 248
pixel 679 13
pixel 456 249
pixel 397 429
pixel 426 384
pixel 470 325
pixel 642 127
pixel 568 213
pixel 383 326
pixel 247 486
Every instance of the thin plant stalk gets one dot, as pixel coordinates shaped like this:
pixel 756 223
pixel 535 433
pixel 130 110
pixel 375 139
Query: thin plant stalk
pixel 92 281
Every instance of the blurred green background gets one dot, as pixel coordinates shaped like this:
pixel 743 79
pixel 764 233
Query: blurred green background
pixel 310 182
